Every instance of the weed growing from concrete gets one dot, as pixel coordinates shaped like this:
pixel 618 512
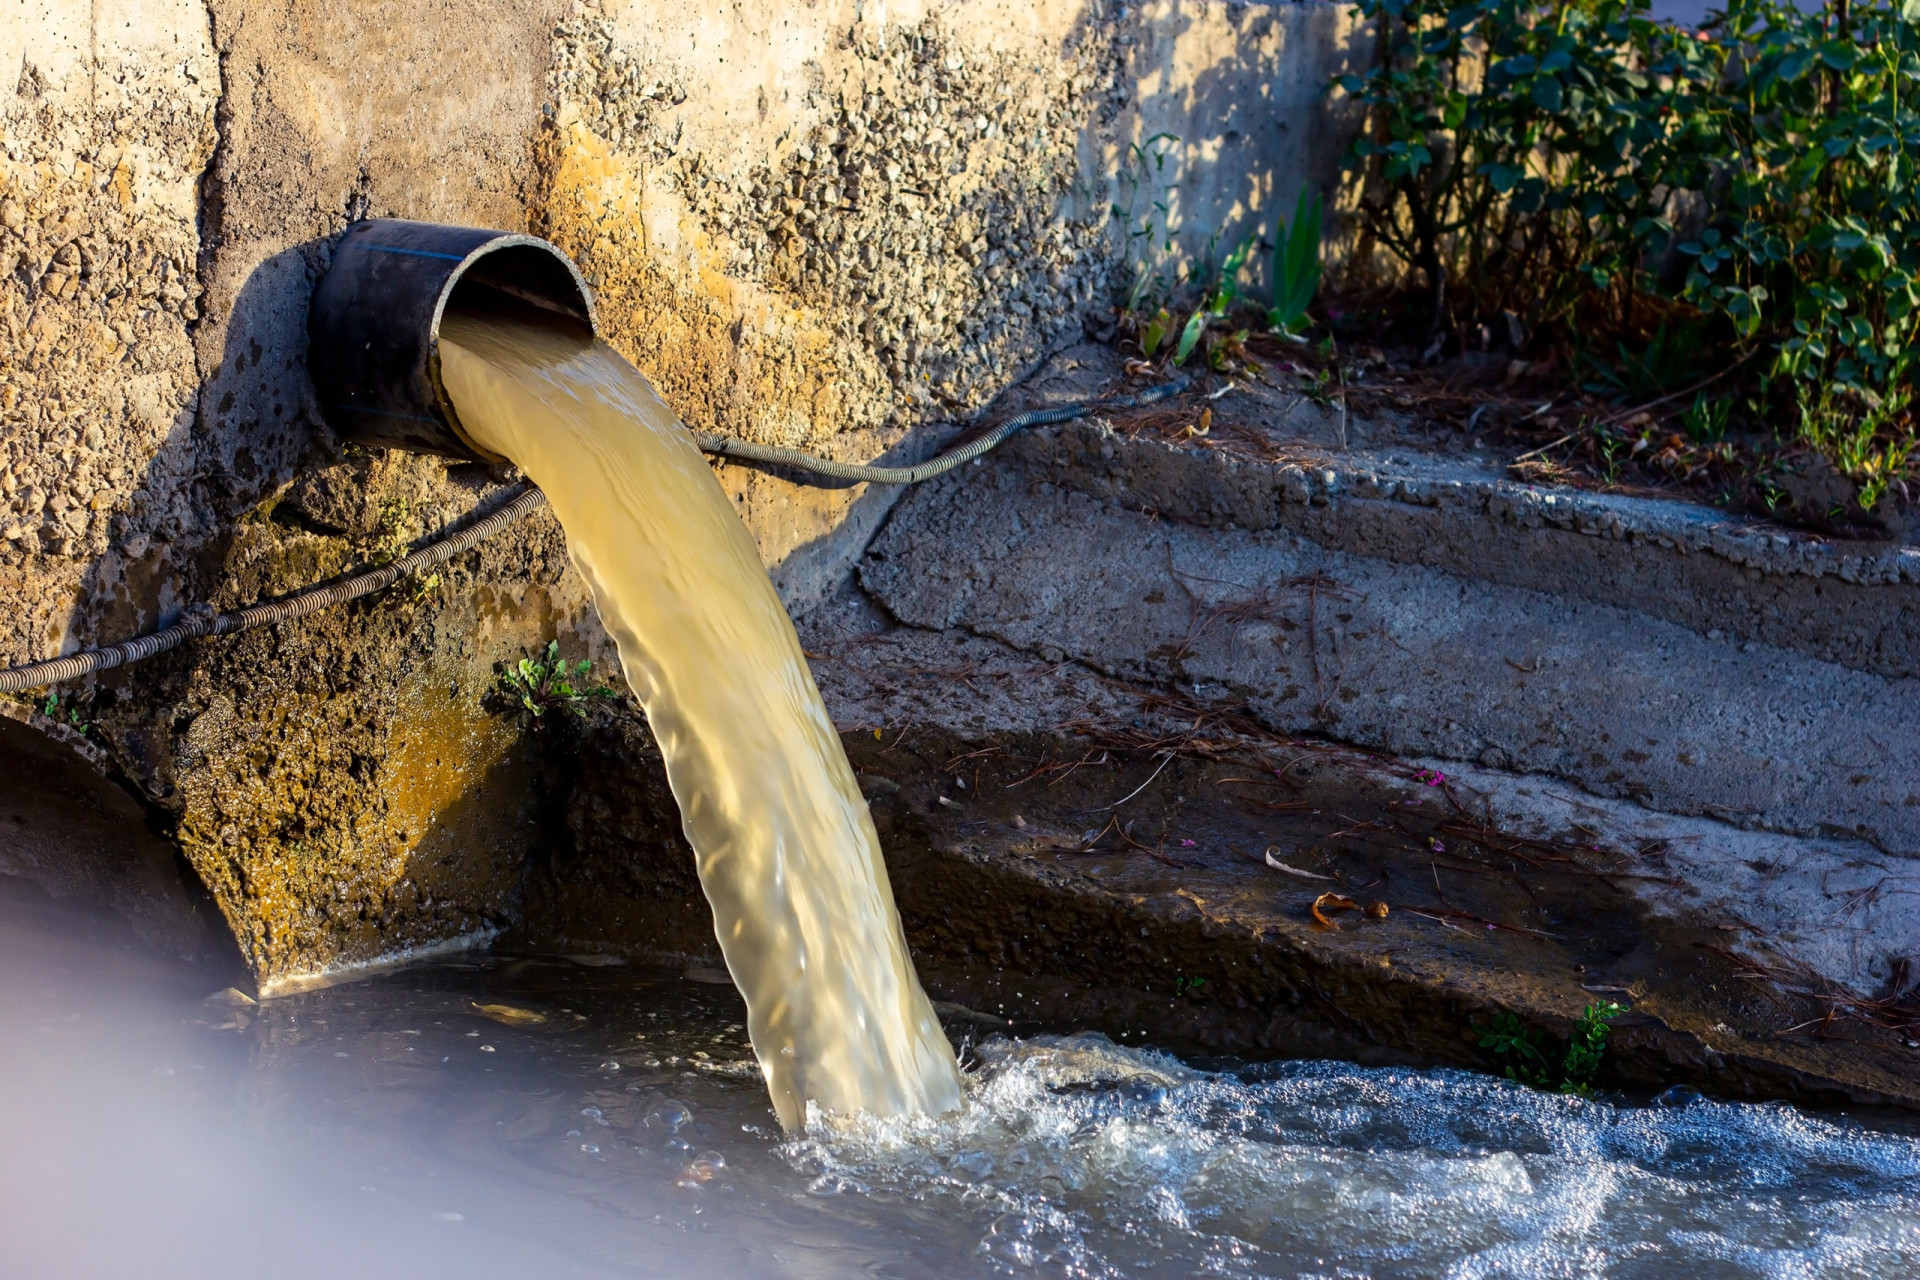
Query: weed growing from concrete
pixel 1147 234
pixel 1524 1051
pixel 545 683
pixel 72 717
pixel 1296 266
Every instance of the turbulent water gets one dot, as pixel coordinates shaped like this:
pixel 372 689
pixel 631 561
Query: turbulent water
pixel 786 850
pixel 532 1116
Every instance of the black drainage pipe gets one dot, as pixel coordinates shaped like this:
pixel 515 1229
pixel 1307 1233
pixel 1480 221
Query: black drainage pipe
pixel 373 330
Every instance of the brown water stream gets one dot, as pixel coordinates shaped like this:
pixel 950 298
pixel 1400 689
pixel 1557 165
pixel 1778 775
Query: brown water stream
pixel 786 850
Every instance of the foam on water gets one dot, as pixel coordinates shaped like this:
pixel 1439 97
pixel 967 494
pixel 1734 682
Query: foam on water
pixel 1106 1161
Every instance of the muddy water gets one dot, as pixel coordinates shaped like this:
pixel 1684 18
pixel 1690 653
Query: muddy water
pixel 531 1116
pixel 786 850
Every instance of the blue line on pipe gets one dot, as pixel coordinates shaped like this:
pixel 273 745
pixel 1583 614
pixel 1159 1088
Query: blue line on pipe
pixel 417 253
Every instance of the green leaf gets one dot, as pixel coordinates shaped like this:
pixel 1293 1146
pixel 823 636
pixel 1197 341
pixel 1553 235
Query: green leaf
pixel 1189 336
pixel 1156 333
pixel 1503 176
pixel 1296 263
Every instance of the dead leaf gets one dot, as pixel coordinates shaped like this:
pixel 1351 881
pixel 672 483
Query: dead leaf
pixel 1331 902
pixel 512 1015
pixel 1273 860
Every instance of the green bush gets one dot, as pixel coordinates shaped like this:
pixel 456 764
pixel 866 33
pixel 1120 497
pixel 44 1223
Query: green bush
pixel 1598 173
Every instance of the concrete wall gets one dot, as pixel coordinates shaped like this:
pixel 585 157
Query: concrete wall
pixel 830 224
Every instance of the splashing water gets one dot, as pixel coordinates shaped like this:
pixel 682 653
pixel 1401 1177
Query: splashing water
pixel 786 850
pixel 1099 1160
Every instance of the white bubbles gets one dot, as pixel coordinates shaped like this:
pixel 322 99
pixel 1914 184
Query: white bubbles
pixel 669 1117
pixel 702 1169
pixel 1103 1160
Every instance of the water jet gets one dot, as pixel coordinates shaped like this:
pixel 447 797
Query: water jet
pixel 481 346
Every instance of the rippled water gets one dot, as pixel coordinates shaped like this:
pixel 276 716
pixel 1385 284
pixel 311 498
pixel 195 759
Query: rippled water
pixel 535 1116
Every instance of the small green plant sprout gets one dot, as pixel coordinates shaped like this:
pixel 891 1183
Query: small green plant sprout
pixel 1188 986
pixel 1588 1046
pixel 545 683
pixel 51 710
pixel 1706 420
pixel 1296 266
pixel 1148 237
pixel 1155 333
pixel 1220 294
pixel 1525 1055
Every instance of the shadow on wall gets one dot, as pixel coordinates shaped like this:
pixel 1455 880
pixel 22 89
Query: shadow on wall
pixel 78 836
pixel 352 757
pixel 1239 97
pixel 254 426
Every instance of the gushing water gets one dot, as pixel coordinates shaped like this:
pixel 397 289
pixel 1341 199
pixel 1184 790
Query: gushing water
pixel 786 850
pixel 526 1115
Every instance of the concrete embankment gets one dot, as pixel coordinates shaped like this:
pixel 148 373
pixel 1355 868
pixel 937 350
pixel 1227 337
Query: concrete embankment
pixel 1677 746
pixel 827 226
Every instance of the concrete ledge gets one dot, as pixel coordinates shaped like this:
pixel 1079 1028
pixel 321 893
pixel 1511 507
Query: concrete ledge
pixel 1854 604
pixel 1052 876
pixel 1475 628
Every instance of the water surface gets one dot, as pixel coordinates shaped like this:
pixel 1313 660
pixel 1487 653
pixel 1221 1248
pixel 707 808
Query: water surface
pixel 533 1116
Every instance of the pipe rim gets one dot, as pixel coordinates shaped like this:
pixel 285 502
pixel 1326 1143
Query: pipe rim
pixel 506 240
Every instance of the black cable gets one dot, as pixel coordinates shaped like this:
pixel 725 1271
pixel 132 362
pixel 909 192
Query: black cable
pixel 200 620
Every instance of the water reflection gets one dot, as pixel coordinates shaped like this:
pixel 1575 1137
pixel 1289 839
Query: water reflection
pixel 535 1116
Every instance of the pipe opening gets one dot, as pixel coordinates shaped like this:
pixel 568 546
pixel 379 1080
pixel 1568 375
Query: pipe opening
pixel 374 324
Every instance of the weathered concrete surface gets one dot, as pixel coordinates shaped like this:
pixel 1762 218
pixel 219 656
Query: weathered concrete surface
pixel 1071 851
pixel 1853 604
pixel 106 132
pixel 822 225
pixel 1403 608
pixel 350 785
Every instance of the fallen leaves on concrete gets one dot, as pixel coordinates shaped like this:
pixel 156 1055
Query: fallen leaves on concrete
pixel 1331 902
